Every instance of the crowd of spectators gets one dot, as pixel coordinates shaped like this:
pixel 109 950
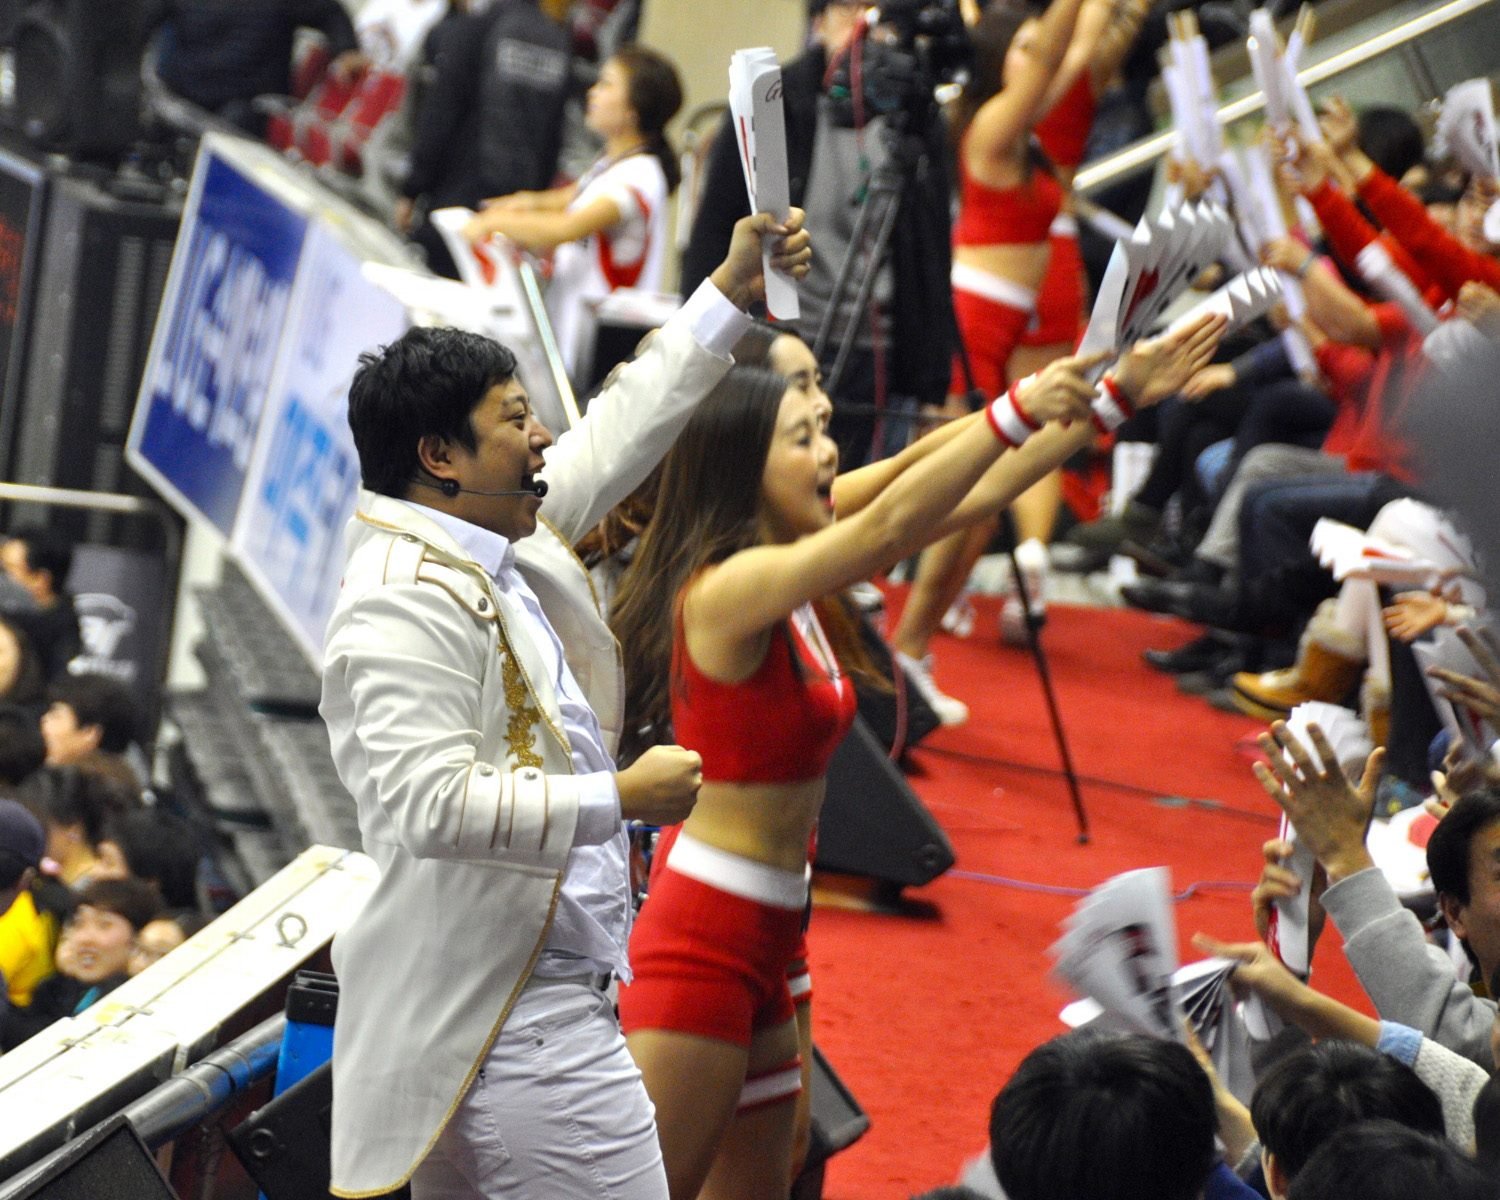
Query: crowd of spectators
pixel 98 878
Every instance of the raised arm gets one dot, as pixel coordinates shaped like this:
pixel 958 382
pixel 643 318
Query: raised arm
pixel 1340 313
pixel 643 405
pixel 1007 116
pixel 1149 372
pixel 756 588
pixel 1102 37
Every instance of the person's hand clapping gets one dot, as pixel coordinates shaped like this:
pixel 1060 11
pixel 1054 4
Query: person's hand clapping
pixel 661 786
pixel 1331 816
pixel 1155 368
pixel 741 275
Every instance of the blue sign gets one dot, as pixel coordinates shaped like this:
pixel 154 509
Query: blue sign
pixel 217 340
pixel 303 484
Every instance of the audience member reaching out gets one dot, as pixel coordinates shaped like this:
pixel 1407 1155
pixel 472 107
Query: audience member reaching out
pixel 1409 980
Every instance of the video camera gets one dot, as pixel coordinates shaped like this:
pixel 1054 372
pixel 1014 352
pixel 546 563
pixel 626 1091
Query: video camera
pixel 920 45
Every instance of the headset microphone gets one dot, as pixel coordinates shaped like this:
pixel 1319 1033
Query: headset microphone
pixel 451 489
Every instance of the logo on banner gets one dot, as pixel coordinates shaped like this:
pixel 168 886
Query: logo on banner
pixel 105 624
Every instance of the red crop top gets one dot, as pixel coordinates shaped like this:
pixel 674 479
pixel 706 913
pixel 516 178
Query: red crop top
pixel 781 725
pixel 1013 216
pixel 1064 131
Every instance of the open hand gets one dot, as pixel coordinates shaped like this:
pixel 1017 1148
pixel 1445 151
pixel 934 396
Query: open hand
pixel 1155 368
pixel 1331 816
pixel 1411 614
pixel 1213 378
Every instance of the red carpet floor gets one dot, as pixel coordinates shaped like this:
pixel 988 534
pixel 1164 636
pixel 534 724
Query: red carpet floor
pixel 926 1013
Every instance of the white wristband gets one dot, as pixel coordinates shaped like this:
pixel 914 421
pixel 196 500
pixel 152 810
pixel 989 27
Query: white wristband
pixel 1008 419
pixel 1110 406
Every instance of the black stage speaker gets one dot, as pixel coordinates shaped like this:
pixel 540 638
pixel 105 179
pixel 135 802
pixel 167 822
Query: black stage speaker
pixel 873 823
pixel 102 268
pixel 837 1123
pixel 284 1144
pixel 78 74
pixel 109 1162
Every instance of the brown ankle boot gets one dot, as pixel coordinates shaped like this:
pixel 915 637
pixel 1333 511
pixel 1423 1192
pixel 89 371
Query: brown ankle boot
pixel 1375 703
pixel 1329 662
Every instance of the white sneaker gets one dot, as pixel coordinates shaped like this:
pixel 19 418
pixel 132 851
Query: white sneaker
pixel 959 619
pixel 866 596
pixel 1033 559
pixel 950 711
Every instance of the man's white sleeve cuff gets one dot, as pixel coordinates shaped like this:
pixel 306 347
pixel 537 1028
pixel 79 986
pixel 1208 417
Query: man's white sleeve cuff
pixel 716 324
pixel 598 808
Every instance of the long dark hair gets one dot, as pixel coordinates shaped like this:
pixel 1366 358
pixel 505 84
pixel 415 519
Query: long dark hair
pixel 655 92
pixel 708 507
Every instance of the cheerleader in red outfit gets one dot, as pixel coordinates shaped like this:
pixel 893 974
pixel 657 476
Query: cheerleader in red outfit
pixel 728 645
pixel 1007 202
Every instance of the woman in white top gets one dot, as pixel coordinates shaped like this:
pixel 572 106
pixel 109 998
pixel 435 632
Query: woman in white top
pixel 609 229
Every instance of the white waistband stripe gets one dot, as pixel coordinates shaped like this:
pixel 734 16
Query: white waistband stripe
pixel 743 877
pixel 971 279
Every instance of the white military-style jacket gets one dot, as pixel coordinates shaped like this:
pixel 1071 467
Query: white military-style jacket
pixel 445 728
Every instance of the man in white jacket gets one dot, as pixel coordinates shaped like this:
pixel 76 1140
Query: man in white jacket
pixel 473 695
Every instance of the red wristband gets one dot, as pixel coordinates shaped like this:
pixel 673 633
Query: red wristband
pixel 1117 394
pixel 1013 394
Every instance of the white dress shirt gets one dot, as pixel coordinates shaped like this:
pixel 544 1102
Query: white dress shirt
pixel 591 928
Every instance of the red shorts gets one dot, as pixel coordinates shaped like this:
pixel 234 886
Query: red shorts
pixel 991 328
pixel 1059 303
pixel 706 960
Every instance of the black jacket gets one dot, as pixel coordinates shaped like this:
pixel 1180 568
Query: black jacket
pixel 216 52
pixel 55 997
pixel 921 244
pixel 490 119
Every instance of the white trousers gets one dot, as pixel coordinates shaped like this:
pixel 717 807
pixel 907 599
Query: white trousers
pixel 557 1110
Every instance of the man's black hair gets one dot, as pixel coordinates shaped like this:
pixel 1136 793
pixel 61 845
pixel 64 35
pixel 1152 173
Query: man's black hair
pixel 427 382
pixel 47 550
pixel 1391 138
pixel 102 701
pixel 161 849
pixel 1317 1090
pixel 22 749
pixel 66 796
pixel 1448 848
pixel 1104 1117
pixel 1487 1126
pixel 138 902
pixel 1385 1160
